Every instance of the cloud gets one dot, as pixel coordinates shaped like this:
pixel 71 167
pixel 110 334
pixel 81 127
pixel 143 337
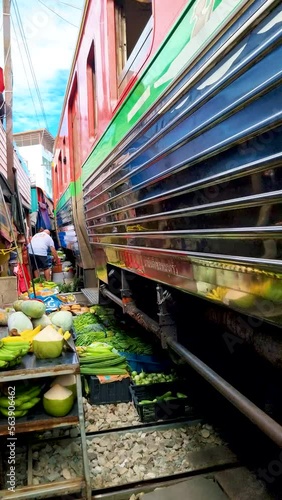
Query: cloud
pixel 51 42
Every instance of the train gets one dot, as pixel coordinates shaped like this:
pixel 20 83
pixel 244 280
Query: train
pixel 167 166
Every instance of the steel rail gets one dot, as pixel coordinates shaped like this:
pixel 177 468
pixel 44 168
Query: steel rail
pixel 263 421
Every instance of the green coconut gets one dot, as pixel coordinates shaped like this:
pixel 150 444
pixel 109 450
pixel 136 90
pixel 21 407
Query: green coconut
pixel 242 300
pixel 33 308
pixel 62 319
pixel 58 401
pixel 19 321
pixel 67 381
pixel 48 343
pixel 43 321
pixel 17 305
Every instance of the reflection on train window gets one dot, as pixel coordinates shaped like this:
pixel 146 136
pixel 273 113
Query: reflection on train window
pixel 133 34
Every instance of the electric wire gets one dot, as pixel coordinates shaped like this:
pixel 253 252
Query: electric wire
pixel 56 13
pixel 69 5
pixel 29 87
pixel 22 33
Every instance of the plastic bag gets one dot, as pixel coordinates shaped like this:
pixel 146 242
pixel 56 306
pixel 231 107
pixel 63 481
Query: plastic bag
pixel 51 302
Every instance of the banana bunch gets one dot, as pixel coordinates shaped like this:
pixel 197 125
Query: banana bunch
pixel 29 335
pixel 217 293
pixel 24 400
pixel 11 352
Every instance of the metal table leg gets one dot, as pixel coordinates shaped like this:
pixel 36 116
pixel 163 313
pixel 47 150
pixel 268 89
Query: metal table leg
pixel 83 439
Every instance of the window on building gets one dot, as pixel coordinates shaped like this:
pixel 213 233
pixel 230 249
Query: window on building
pixel 133 34
pixel 91 92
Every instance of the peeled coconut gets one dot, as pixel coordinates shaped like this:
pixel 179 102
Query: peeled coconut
pixel 48 343
pixel 58 401
pixel 67 381
pixel 43 321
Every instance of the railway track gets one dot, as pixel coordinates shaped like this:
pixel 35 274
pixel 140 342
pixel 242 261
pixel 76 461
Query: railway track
pixel 196 462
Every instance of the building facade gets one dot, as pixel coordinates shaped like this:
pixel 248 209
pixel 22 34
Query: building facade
pixel 36 147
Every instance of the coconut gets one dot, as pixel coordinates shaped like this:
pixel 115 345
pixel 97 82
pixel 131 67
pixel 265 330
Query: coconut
pixel 62 319
pixel 43 321
pixel 48 343
pixel 17 305
pixel 67 381
pixel 58 401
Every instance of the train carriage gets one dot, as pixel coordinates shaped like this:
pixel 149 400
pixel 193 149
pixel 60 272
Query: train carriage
pixel 168 156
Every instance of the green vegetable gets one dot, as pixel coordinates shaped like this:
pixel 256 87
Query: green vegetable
pixel 166 395
pixel 180 395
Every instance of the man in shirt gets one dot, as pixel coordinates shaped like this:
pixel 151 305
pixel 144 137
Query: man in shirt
pixel 38 251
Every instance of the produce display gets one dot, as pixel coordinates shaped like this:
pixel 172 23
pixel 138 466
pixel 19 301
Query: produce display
pixel 99 359
pixel 152 378
pixel 42 288
pixel 87 320
pixel 89 329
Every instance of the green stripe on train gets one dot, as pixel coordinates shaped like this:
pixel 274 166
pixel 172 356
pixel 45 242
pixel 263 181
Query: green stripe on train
pixel 175 53
pixel 73 189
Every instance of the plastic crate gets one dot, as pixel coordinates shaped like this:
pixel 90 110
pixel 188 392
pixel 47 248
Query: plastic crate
pixel 158 388
pixel 113 392
pixel 161 410
pixel 148 364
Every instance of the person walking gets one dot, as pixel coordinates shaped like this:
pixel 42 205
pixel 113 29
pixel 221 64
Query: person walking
pixel 38 251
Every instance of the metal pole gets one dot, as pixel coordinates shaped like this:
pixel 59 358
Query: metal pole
pixel 132 310
pixel 265 423
pixel 8 90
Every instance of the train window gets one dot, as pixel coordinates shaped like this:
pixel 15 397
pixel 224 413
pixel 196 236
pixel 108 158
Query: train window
pixel 91 92
pixel 60 171
pixel 133 26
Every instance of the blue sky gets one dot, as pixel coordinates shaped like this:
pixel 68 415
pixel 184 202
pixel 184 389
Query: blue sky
pixel 51 41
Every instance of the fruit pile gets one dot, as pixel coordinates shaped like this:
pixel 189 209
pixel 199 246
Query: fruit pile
pixel 22 398
pixel 12 351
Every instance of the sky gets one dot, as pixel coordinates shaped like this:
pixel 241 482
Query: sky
pixel 51 39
